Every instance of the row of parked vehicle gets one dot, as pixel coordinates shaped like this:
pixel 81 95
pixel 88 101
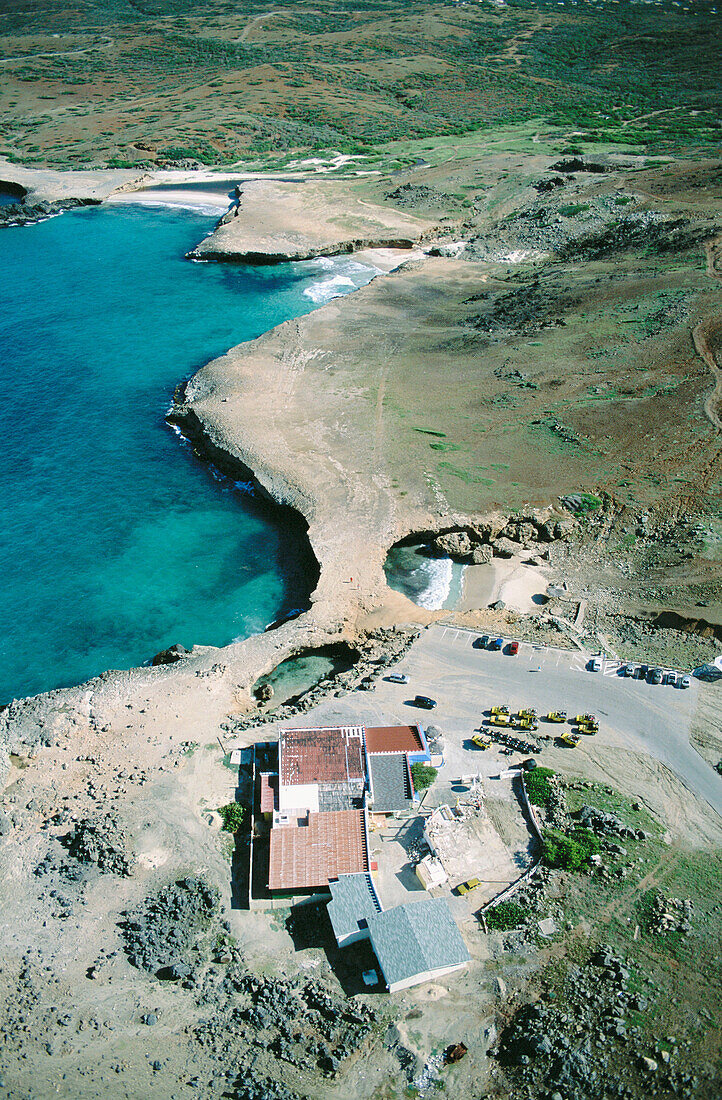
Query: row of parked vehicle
pixel 646 672
pixel 496 645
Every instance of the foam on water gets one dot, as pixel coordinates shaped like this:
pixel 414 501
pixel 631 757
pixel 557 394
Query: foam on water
pixel 346 275
pixel 429 582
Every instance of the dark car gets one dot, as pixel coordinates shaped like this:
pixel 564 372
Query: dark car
pixel 655 676
pixel 513 649
pixel 424 702
pixel 644 671
pixel 481 643
pixel 639 672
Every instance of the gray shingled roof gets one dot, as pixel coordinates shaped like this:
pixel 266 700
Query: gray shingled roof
pixel 414 938
pixel 390 782
pixel 353 899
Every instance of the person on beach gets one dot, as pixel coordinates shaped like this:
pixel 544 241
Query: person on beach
pixel 237 196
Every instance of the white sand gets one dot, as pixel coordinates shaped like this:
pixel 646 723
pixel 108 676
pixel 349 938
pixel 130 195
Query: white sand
pixel 507 579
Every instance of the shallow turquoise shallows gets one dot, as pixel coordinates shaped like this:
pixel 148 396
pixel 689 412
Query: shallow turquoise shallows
pixel 115 541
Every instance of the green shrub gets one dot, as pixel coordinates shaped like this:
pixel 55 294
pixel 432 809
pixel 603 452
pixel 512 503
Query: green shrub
pixel 423 776
pixel 573 208
pixel 568 850
pixel 538 786
pixel 232 815
pixel 505 915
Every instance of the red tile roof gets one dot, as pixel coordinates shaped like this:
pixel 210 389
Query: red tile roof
pixel 329 755
pixel 307 856
pixel 269 792
pixel 393 739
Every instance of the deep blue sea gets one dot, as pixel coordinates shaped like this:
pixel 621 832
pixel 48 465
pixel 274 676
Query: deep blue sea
pixel 115 541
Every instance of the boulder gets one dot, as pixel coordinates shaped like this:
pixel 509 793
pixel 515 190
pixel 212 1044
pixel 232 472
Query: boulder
pixel 169 656
pixel 482 555
pixel 457 544
pixel 504 548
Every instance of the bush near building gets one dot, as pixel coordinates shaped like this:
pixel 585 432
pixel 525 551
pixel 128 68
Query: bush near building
pixel 232 814
pixel 423 776
pixel 538 786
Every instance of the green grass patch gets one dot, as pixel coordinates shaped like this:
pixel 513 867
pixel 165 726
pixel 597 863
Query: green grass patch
pixel 430 431
pixel 537 785
pixel 504 916
pixel 569 851
pixel 465 475
pixel 570 210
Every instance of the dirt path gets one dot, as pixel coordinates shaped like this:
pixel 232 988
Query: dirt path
pixel 702 336
pixel 104 45
pixel 243 37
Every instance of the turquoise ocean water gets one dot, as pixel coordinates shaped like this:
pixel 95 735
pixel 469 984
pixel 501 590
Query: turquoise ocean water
pixel 115 541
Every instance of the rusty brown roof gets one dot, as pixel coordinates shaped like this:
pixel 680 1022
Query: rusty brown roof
pixel 322 755
pixel 393 739
pixel 269 792
pixel 307 856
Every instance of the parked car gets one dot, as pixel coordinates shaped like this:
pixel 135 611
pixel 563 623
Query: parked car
pixel 397 678
pixel 638 673
pixel 629 671
pixel 655 676
pixel 466 887
pixel 643 671
pixel 424 702
pixel 513 649
pixel 685 682
pixel 497 644
pixel 481 643
pixel 671 678
pixel 595 664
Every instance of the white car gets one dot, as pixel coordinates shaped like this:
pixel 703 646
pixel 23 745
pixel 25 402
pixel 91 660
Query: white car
pixel 398 678
pixel 685 682
pixel 595 665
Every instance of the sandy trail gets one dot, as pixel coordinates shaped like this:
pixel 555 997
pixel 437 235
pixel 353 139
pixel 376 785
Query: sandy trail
pixel 702 335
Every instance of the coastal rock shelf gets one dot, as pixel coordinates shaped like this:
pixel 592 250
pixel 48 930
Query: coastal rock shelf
pixel 278 222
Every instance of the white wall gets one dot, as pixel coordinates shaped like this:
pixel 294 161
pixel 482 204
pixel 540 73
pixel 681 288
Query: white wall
pixel 424 976
pixel 303 796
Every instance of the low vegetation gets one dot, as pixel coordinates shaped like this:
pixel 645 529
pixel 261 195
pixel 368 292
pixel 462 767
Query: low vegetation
pixel 174 84
pixel 504 916
pixel 568 851
pixel 423 775
pixel 538 786
pixel 232 814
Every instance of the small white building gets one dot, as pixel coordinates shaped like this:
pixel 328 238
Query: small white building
pixel 430 873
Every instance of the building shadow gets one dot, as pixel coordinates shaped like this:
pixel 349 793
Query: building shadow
pixel 309 926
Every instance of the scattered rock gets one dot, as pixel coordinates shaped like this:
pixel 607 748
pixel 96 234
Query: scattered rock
pixel 101 841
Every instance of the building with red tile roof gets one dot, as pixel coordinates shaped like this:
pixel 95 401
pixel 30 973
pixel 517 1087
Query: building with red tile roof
pixel 408 739
pixel 331 754
pixel 306 855
pixel 268 796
